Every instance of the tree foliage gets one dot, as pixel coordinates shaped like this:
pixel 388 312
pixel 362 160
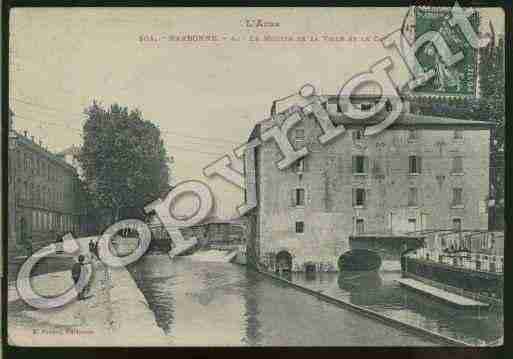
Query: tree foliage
pixel 123 158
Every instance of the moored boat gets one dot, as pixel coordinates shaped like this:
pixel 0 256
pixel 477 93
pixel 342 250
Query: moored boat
pixel 359 260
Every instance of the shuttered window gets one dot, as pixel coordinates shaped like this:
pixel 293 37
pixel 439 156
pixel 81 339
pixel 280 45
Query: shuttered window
pixel 365 106
pixel 413 196
pixel 299 197
pixel 357 135
pixel 299 135
pixel 457 196
pixel 456 224
pixel 360 164
pixel 301 165
pixel 300 227
pixel 360 227
pixel 359 196
pixel 457 164
pixel 412 135
pixel 414 164
pixel 412 224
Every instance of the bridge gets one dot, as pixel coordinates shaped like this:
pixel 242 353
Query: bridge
pixel 390 247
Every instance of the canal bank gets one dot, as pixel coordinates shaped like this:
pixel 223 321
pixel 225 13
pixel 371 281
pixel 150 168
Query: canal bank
pixel 442 340
pixel 117 313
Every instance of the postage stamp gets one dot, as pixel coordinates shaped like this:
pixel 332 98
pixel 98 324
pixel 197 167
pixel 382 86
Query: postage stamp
pixel 459 79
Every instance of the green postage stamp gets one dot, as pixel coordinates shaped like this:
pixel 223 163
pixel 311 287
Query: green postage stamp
pixel 459 79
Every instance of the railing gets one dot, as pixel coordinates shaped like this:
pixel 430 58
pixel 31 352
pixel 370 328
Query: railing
pixel 466 260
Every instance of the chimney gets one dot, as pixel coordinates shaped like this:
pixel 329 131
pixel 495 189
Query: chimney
pixel 26 133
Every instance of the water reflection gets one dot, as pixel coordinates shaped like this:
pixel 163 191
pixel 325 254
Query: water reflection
pixel 377 290
pixel 358 281
pixel 200 303
pixel 253 335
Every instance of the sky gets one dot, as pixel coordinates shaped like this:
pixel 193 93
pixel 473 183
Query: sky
pixel 205 97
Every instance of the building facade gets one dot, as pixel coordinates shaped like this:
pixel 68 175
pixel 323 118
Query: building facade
pixel 42 196
pixel 420 173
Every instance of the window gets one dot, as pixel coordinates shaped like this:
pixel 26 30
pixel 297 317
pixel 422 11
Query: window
pixel 299 134
pixel 300 227
pixel 25 194
pixel 360 164
pixel 358 197
pixel 412 224
pixel 299 197
pixel 300 165
pixel 388 106
pixel 360 226
pixel 457 196
pixel 415 164
pixel 413 196
pixel 20 160
pixel 357 135
pixel 458 134
pixel 456 224
pixel 366 106
pixel 457 164
pixel 412 135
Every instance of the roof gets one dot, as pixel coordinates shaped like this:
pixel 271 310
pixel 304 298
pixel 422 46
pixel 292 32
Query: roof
pixel 411 120
pixel 405 119
pixel 27 142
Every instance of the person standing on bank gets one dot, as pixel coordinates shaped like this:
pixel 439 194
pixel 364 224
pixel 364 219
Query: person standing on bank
pixel 93 249
pixel 76 271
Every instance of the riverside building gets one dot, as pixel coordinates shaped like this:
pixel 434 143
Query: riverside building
pixel 420 173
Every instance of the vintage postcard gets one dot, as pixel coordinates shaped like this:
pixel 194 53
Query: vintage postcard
pixel 256 176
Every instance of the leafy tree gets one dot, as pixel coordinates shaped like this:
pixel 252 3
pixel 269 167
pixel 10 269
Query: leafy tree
pixel 123 158
pixel 492 85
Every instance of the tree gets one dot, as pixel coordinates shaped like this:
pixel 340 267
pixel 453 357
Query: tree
pixel 123 158
pixel 492 86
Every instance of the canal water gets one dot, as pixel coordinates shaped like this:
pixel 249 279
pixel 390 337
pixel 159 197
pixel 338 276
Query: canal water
pixel 219 304
pixel 378 291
